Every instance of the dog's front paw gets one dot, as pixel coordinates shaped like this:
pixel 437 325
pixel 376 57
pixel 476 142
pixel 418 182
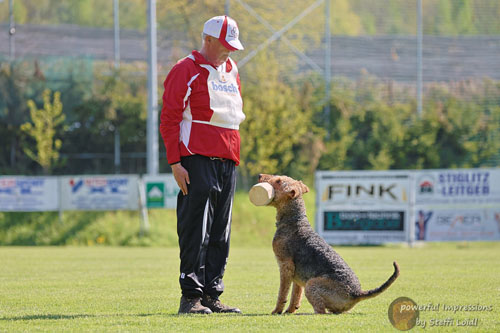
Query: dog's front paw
pixel 291 309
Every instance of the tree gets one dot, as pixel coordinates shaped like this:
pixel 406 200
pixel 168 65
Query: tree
pixel 13 112
pixel 464 14
pixel 443 24
pixel 275 125
pixel 43 130
pixel 338 126
pixel 117 105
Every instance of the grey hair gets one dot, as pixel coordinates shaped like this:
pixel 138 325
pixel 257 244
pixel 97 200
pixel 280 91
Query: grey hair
pixel 203 35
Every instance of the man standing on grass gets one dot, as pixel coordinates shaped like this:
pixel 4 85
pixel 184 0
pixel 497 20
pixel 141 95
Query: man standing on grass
pixel 202 110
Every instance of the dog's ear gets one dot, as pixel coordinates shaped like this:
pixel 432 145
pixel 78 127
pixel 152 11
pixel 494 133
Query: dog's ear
pixel 293 193
pixel 297 189
pixel 304 188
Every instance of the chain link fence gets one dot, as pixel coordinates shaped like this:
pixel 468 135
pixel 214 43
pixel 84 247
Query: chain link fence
pixel 461 41
pixel 376 39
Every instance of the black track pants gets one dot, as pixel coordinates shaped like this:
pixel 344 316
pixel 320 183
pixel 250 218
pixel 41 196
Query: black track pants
pixel 204 224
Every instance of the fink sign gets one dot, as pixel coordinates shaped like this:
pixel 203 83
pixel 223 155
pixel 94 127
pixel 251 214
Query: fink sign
pixel 362 206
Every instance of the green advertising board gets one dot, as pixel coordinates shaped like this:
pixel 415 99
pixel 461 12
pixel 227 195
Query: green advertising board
pixel 155 195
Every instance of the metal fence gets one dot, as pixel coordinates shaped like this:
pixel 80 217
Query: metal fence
pixel 446 58
pixel 384 47
pixel 337 39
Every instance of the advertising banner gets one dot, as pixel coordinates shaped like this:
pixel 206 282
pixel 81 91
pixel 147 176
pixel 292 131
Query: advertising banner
pixel 457 224
pixel 460 204
pixel 161 191
pixel 28 194
pixel 363 207
pixel 101 192
pixel 458 187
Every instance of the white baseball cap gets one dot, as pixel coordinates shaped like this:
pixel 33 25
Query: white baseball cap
pixel 226 30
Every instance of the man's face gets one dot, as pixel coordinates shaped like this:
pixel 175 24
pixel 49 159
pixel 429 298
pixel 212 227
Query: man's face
pixel 217 53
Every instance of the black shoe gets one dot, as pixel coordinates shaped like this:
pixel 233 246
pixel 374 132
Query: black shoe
pixel 216 306
pixel 193 305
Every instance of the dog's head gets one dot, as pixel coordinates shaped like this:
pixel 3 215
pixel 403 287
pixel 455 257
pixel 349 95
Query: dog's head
pixel 285 188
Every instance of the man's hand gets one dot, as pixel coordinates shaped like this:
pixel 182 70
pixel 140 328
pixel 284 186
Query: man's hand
pixel 181 177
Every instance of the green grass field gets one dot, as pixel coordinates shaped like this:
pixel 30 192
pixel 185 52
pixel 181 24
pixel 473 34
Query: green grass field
pixel 135 289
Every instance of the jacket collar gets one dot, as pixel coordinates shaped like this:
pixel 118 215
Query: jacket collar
pixel 199 59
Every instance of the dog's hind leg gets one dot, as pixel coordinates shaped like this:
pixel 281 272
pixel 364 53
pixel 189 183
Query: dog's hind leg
pixel 296 298
pixel 314 291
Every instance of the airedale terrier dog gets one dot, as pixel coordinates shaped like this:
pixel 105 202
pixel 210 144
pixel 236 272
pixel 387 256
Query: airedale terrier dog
pixel 305 259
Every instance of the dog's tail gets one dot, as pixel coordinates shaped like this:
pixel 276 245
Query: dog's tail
pixel 375 292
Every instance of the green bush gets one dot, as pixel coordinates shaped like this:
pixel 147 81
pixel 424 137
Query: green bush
pixel 368 131
pixel 371 124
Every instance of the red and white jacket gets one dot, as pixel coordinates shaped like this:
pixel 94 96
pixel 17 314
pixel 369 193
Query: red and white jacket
pixel 202 109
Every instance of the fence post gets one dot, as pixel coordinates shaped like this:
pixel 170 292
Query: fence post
pixel 117 149
pixel 116 18
pixel 419 57
pixel 411 217
pixel 144 227
pixel 152 122
pixel 328 63
pixel 12 31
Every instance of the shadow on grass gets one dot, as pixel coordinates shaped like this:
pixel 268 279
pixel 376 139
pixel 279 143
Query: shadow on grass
pixel 28 225
pixel 43 228
pixel 263 314
pixel 74 316
pixel 80 224
pixel 172 315
pixel 46 317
